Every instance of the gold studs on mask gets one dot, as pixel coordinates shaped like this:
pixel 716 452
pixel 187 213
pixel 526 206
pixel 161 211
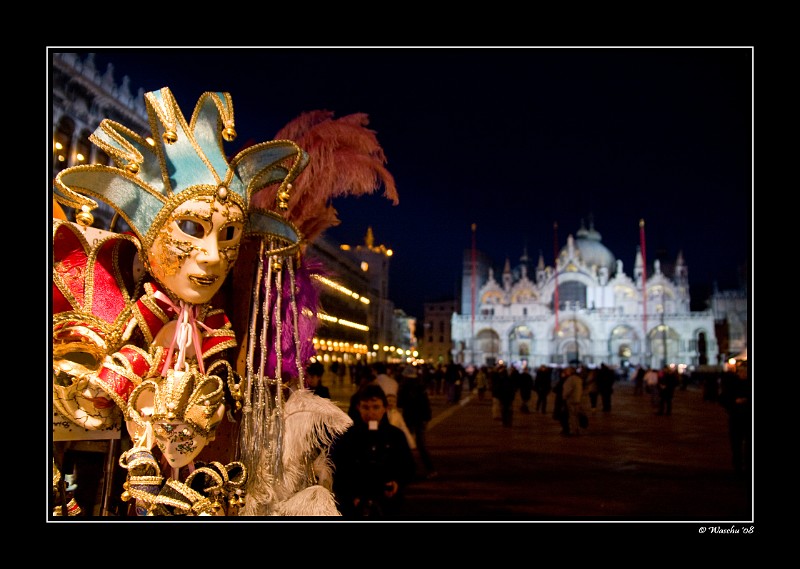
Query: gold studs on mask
pixel 84 217
pixel 283 197
pixel 229 134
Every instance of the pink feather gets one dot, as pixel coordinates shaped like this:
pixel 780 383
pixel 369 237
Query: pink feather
pixel 345 159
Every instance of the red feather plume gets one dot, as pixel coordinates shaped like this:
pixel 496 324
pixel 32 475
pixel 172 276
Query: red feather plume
pixel 345 159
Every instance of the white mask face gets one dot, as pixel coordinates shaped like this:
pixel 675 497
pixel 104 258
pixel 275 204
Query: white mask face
pixel 178 442
pixel 86 405
pixel 196 247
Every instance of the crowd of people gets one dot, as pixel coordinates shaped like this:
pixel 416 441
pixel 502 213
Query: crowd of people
pixel 385 450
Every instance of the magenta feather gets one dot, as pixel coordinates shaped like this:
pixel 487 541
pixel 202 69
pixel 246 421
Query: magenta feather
pixel 306 299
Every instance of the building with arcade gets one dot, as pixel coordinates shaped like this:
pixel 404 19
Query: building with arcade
pixel 585 309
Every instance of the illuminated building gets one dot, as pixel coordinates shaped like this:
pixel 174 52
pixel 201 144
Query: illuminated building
pixel 392 332
pixel 346 301
pixel 601 315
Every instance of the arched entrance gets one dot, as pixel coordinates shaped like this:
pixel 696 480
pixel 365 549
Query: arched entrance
pixel 520 341
pixel 624 346
pixel 487 347
pixel 664 344
pixel 571 343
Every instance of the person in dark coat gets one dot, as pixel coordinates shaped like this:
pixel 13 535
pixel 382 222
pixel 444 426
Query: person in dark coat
pixel 453 376
pixel 560 412
pixel 505 382
pixel 735 396
pixel 542 386
pixel 667 382
pixel 525 389
pixel 638 381
pixel 605 385
pixel 414 403
pixel 372 462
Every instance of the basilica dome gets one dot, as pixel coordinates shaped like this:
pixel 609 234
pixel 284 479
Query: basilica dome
pixel 593 252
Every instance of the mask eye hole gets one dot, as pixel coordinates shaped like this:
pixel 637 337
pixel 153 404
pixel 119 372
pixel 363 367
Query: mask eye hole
pixel 86 359
pixel 70 363
pixel 191 228
pixel 228 233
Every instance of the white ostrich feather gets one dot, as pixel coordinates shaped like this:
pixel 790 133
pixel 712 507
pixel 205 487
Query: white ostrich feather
pixel 312 501
pixel 323 468
pixel 303 488
pixel 310 422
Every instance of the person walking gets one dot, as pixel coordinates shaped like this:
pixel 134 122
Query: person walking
pixel 592 389
pixel 572 393
pixel 438 379
pixel 560 412
pixel 667 382
pixel 542 386
pixel 385 377
pixel 605 378
pixel 735 396
pixel 453 377
pixel 650 385
pixel 381 376
pixel 505 390
pixel 638 381
pixel 494 388
pixel 482 381
pixel 525 389
pixel 415 405
pixel 372 462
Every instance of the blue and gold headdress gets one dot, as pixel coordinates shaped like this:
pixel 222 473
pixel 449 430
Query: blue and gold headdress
pixel 183 161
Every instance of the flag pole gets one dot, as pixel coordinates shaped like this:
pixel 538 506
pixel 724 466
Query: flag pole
pixel 555 267
pixel 472 289
pixel 644 281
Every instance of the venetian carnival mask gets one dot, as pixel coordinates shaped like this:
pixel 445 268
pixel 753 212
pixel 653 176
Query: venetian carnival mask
pixel 187 205
pixel 180 413
pixel 178 442
pixel 183 199
pixel 92 288
pixel 76 394
pixel 194 250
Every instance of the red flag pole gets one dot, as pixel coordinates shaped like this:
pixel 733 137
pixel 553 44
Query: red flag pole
pixel 555 266
pixel 644 278
pixel 472 287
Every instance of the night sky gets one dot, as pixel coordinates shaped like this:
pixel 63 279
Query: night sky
pixel 513 140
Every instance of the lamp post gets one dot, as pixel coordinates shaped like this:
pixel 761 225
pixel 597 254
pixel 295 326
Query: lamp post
pixel 575 331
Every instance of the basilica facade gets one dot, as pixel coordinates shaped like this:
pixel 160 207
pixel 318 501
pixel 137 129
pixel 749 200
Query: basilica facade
pixel 585 309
